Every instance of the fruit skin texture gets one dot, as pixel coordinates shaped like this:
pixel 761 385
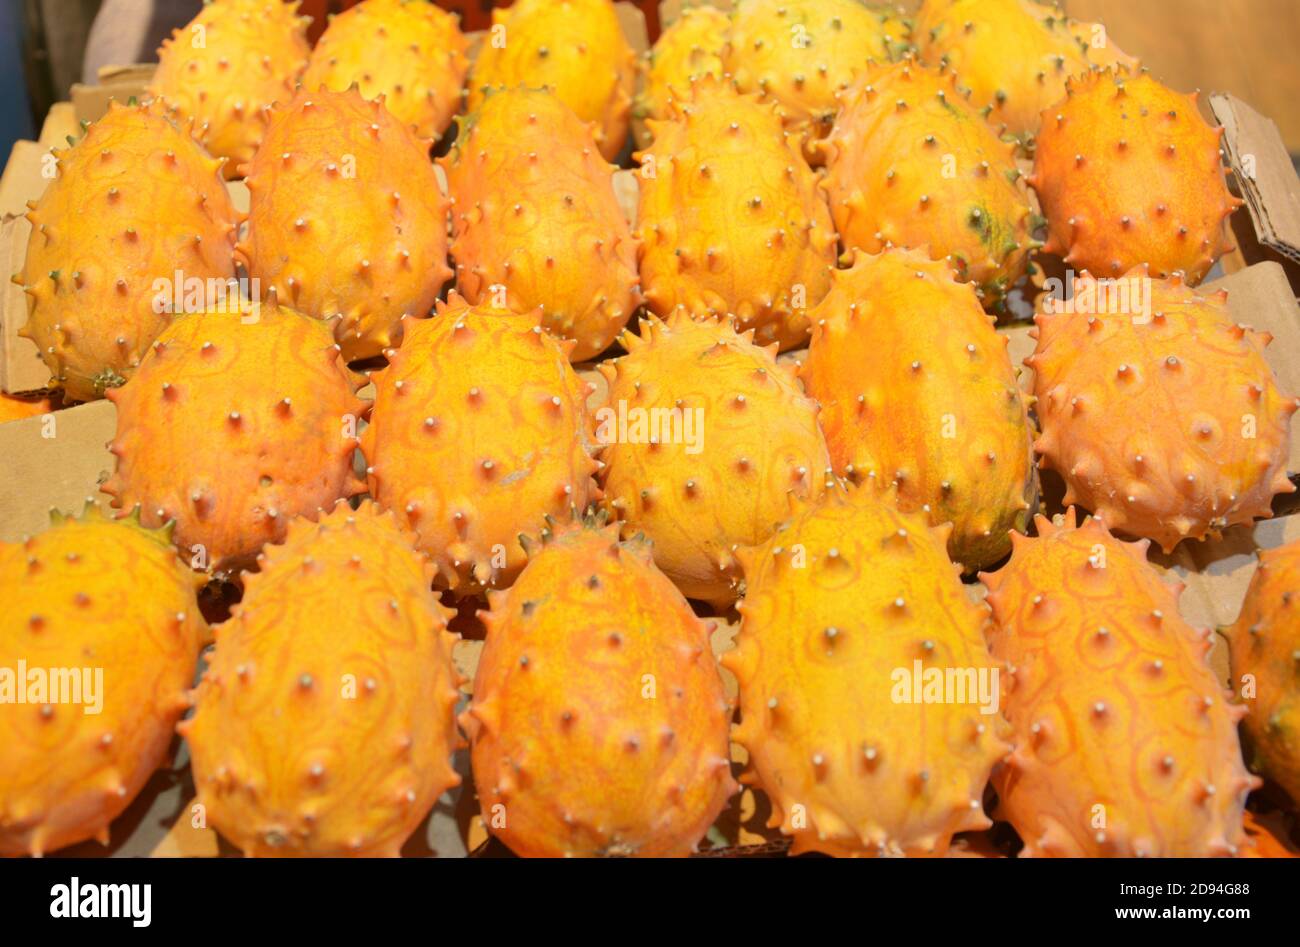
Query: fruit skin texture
pixel 731 220
pixel 576 47
pixel 1127 173
pixel 252 56
pixel 535 213
pixel 599 723
pixel 1015 56
pixel 411 53
pixel 511 440
pixel 99 245
pixel 690 47
pixel 1189 462
pixel 206 436
pixel 937 410
pixel 958 192
pixel 353 224
pixel 1265 643
pixel 15 409
pixel 756 441
pixel 1112 704
pixel 818 647
pixel 91 592
pixel 325 721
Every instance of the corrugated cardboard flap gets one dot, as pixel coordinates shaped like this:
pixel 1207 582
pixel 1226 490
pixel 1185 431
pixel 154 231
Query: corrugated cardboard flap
pixel 1264 171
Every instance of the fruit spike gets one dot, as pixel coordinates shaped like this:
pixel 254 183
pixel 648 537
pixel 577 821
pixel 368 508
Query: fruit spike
pixel 105 610
pixel 958 192
pixel 324 723
pixel 536 221
pixel 479 430
pixel 689 47
pixel 208 438
pixel 599 721
pixel 1126 745
pixel 99 245
pixel 1206 441
pixel 705 437
pixel 1265 644
pixel 331 156
pixel 917 388
pixel 575 47
pixel 731 219
pixel 227 66
pixel 1128 173
pixel 413 54
pixel 846 600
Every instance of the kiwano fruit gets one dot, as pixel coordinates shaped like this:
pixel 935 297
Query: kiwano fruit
pixel 916 388
pixel 536 221
pixel 911 163
pixel 599 723
pixel 1128 173
pixel 207 436
pixel 1265 643
pixel 479 431
pixel 102 618
pixel 1267 837
pixel 689 47
pixel 346 218
pixel 844 606
pixel 409 51
pixel 227 66
pixel 1205 439
pixel 1125 742
pixel 731 220
pixel 325 721
pixel 705 438
pixel 100 249
pixel 14 408
pixel 576 47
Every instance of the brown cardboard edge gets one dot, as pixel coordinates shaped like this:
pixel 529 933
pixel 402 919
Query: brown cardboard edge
pixel 21 368
pixel 122 83
pixel 1264 172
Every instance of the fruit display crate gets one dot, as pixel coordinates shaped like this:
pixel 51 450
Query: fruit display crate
pixel 59 459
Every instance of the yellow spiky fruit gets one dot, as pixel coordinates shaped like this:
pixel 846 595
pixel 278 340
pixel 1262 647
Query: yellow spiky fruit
pixel 227 65
pixel 575 47
pixel 917 388
pixel 325 721
pixel 346 218
pixel 1125 743
pixel 705 438
pixel 599 720
pixel 100 249
pixel 689 47
pixel 852 613
pixel 479 431
pixel 1207 438
pixel 408 51
pixel 731 220
pixel 207 436
pixel 536 221
pixel 101 617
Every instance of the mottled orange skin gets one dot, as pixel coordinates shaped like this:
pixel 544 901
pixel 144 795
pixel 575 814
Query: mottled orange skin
pixel 1112 703
pixel 758 443
pixel 911 163
pixel 325 721
pixel 90 593
pixel 1206 438
pixel 99 245
pixel 576 47
pixel 209 438
pixel 599 720
pixel 536 222
pixel 352 223
pixel 916 388
pixel 1265 644
pixel 688 48
pixel 411 53
pixel 849 770
pixel 731 220
pixel 252 55
pixel 15 409
pixel 479 431
pixel 1129 173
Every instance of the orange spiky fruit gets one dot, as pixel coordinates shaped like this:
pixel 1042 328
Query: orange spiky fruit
pixel 14 408
pixel 687 48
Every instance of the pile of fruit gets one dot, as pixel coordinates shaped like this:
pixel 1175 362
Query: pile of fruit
pixel 388 428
